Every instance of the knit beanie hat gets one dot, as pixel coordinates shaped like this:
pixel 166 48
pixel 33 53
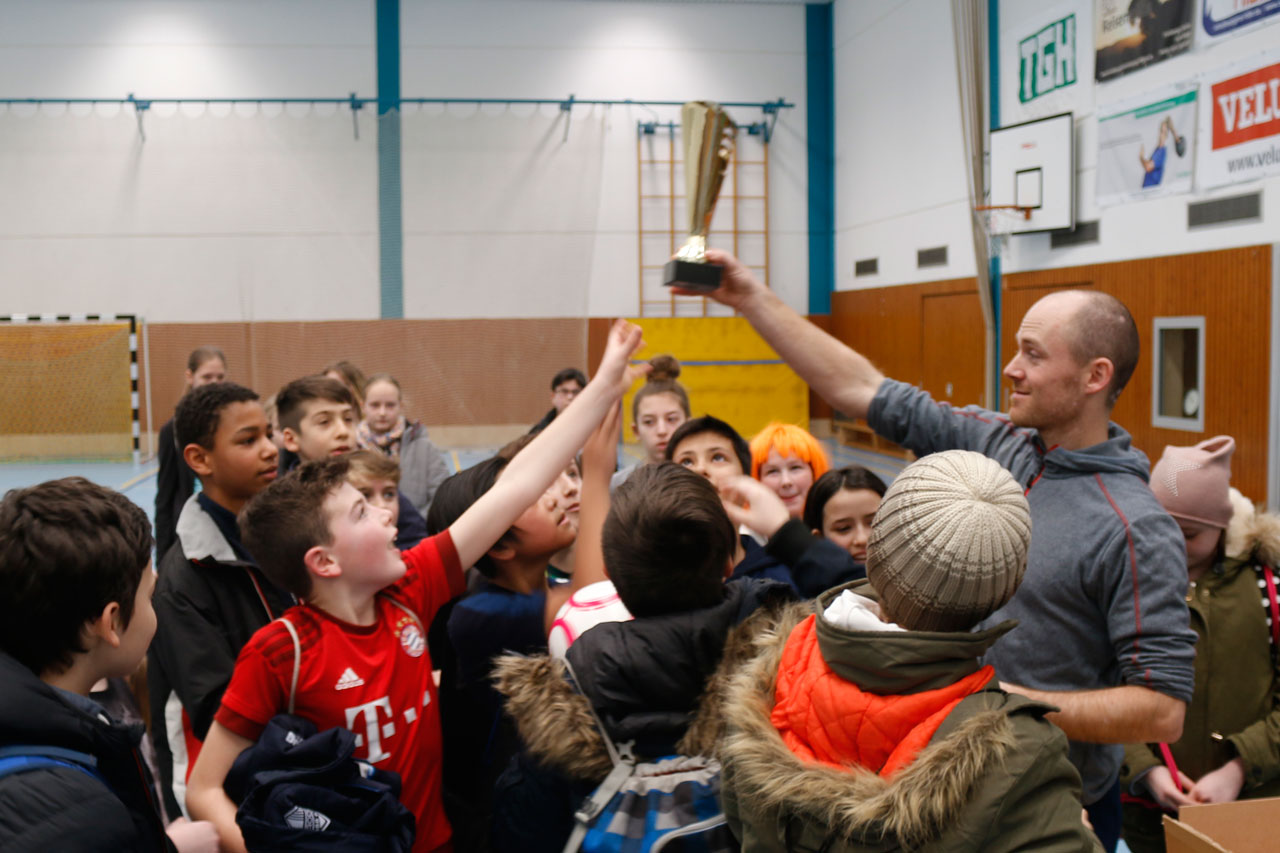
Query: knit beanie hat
pixel 1192 483
pixel 949 542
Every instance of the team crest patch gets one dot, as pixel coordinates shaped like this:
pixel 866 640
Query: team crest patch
pixel 411 639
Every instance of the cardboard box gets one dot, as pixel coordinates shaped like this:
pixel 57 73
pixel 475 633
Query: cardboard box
pixel 1245 826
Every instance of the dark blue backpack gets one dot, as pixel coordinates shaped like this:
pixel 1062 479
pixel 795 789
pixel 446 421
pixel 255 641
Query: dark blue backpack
pixel 303 790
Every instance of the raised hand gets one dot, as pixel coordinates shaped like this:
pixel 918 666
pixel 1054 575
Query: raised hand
pixel 737 283
pixel 751 503
pixel 616 370
pixel 600 453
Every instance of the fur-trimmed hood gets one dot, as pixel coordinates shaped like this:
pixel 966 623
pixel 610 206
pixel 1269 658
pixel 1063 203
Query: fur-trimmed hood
pixel 555 721
pixel 1252 532
pixel 770 785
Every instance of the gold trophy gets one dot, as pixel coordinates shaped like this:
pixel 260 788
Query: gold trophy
pixel 708 138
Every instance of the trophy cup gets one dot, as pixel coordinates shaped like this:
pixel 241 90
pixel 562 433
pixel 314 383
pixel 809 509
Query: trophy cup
pixel 709 137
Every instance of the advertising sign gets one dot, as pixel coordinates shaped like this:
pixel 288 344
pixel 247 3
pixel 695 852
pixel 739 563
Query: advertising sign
pixel 1145 145
pixel 1046 59
pixel 1240 125
pixel 1229 17
pixel 1132 34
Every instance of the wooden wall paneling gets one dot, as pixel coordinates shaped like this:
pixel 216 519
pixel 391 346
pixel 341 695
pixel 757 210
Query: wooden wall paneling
pixel 453 371
pixel 951 347
pixel 1231 289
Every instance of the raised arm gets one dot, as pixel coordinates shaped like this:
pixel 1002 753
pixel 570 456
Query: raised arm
pixel 844 378
pixel 599 458
pixel 534 468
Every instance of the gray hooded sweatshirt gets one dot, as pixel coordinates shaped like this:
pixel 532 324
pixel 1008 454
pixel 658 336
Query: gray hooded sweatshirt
pixel 1101 603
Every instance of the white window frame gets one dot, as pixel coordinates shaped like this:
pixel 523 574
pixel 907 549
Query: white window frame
pixel 1160 324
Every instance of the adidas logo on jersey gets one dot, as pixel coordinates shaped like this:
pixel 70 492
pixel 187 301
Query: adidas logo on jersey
pixel 348 680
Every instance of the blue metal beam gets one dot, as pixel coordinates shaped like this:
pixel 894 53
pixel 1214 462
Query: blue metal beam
pixel 993 104
pixel 820 102
pixel 390 206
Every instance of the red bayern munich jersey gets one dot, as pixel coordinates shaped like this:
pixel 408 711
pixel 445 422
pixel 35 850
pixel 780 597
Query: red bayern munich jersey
pixel 374 680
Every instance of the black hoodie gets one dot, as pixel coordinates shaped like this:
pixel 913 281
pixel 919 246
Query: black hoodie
pixel 64 809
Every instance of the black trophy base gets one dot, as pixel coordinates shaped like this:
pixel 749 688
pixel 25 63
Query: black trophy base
pixel 703 278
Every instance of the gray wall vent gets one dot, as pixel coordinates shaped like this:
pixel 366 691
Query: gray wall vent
pixel 932 257
pixel 1084 232
pixel 870 266
pixel 1219 211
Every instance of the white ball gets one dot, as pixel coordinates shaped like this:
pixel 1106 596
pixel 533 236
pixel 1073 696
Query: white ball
pixel 588 607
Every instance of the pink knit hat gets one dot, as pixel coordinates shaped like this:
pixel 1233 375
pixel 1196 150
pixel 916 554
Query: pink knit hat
pixel 1192 482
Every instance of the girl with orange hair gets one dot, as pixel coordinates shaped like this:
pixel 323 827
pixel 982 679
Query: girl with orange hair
pixel 788 459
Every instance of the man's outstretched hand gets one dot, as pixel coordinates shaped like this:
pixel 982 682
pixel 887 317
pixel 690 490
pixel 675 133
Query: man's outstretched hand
pixel 737 283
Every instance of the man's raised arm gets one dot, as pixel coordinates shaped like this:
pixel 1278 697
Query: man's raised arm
pixel 842 377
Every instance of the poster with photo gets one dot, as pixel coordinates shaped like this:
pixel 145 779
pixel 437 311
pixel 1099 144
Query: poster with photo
pixel 1240 124
pixel 1046 59
pixel 1221 18
pixel 1145 145
pixel 1132 34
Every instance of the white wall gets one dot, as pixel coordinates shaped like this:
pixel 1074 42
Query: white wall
pixel 262 217
pixel 899 152
pixel 1153 227
pixel 900 180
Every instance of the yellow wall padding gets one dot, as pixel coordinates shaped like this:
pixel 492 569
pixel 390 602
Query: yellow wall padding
pixel 729 383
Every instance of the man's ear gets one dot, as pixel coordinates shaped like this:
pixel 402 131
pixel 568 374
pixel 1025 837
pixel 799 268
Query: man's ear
pixel 197 459
pixel 816 532
pixel 290 438
pixel 321 563
pixel 728 567
pixel 635 428
pixel 1101 370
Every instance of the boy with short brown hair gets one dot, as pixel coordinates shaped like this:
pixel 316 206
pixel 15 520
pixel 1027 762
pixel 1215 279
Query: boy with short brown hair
pixel 364 663
pixel 75 607
pixel 318 420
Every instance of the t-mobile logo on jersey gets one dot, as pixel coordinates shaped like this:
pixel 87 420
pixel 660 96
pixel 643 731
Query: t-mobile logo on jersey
pixel 379 723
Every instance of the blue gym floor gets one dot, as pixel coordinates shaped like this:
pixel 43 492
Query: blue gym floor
pixel 138 482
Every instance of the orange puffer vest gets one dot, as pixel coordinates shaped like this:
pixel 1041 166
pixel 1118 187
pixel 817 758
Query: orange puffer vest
pixel 825 719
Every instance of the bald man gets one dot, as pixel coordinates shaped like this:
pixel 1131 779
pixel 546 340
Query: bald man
pixel 1103 630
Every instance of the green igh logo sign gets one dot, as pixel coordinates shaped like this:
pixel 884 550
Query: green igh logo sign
pixel 1047 59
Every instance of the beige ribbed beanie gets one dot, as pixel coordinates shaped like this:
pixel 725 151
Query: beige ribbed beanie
pixel 949 542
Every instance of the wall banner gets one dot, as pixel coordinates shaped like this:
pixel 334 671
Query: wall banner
pixel 1145 145
pixel 1229 17
pixel 1240 124
pixel 1046 59
pixel 1132 34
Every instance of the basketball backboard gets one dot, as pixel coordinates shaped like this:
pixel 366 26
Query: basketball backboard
pixel 1033 166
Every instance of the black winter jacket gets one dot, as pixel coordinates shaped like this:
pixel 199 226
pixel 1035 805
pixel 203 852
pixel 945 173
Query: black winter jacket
pixel 175 482
pixel 208 604
pixel 62 809
pixel 645 677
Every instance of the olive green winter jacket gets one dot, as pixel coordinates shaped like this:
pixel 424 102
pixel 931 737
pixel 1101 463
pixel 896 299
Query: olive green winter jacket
pixel 994 777
pixel 1235 710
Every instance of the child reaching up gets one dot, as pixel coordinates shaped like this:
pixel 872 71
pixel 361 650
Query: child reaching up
pixel 364 663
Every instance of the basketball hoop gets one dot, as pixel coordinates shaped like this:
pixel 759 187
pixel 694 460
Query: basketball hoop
pixel 1002 219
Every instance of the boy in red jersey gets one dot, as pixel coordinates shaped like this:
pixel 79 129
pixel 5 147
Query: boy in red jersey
pixel 364 664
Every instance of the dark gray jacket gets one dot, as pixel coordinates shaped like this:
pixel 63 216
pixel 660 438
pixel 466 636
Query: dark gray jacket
pixel 1102 601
